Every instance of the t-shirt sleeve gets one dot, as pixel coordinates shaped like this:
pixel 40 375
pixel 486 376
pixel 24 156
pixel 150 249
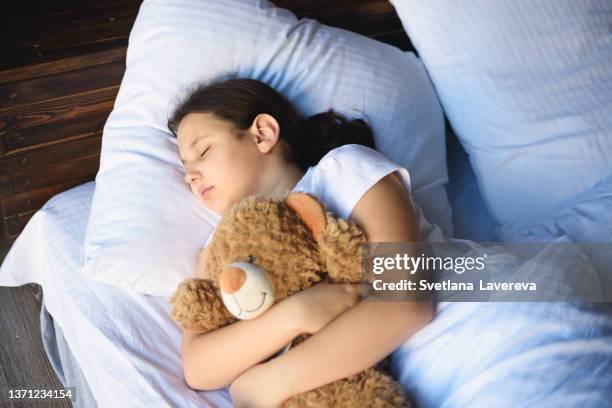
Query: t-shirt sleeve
pixel 349 171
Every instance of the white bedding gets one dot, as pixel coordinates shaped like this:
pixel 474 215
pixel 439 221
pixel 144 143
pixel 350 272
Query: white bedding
pixel 472 354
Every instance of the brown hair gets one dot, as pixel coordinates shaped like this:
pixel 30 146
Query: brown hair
pixel 240 100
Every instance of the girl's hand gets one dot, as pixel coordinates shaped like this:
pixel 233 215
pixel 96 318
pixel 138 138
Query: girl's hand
pixel 323 302
pixel 258 387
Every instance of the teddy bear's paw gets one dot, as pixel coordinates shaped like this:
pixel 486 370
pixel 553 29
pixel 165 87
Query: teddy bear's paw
pixel 340 247
pixel 197 306
pixel 381 390
pixel 369 388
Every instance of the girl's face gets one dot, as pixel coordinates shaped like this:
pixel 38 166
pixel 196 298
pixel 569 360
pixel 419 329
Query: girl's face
pixel 220 167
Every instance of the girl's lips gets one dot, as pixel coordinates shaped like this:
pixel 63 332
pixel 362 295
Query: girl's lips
pixel 205 191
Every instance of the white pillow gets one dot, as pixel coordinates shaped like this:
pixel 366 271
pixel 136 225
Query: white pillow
pixel 146 228
pixel 527 87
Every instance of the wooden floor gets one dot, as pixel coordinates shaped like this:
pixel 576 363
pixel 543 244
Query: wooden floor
pixel 23 361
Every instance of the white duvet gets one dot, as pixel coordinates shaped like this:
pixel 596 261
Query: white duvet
pixel 472 354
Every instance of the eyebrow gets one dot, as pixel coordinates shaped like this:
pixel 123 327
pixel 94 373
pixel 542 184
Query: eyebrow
pixel 197 139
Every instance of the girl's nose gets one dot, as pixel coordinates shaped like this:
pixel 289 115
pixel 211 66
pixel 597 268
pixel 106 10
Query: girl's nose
pixel 191 176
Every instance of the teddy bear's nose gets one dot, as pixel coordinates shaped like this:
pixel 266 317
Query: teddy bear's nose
pixel 231 280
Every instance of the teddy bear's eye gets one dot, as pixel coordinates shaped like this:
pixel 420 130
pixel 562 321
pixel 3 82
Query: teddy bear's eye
pixel 252 258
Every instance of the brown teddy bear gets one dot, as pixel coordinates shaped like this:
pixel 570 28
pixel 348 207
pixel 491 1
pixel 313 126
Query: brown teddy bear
pixel 264 250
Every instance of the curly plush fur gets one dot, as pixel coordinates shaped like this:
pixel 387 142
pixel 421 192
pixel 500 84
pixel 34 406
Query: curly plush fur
pixel 297 242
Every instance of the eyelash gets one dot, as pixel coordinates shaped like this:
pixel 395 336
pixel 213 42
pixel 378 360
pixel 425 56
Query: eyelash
pixel 204 152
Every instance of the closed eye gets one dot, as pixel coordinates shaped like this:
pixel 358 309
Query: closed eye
pixel 204 152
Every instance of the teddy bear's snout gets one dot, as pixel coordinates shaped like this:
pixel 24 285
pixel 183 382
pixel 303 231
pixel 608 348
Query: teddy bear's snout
pixel 246 290
pixel 231 280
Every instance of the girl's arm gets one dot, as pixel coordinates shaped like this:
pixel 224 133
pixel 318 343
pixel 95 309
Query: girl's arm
pixel 213 360
pixel 365 333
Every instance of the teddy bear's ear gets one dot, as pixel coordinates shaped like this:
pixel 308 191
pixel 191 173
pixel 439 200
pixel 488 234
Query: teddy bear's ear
pixel 309 210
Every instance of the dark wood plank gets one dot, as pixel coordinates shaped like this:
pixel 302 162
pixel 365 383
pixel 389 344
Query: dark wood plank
pixel 57 66
pixel 46 156
pixel 23 361
pixel 66 31
pixel 61 85
pixel 85 166
pixel 87 122
pixel 33 8
pixel 62 109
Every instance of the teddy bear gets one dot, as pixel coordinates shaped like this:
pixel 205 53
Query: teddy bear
pixel 264 250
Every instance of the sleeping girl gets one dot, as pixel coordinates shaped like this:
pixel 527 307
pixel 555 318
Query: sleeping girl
pixel 239 137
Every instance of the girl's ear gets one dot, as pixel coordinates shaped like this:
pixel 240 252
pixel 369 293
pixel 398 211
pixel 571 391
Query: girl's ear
pixel 310 211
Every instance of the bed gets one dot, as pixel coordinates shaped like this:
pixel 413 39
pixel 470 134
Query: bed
pixel 131 353
pixel 533 354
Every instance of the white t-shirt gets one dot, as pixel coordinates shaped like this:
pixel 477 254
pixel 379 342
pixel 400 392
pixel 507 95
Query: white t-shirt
pixel 344 175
